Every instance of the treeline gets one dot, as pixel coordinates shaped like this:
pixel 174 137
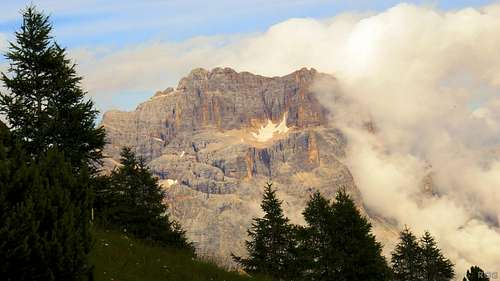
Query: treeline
pixel 336 243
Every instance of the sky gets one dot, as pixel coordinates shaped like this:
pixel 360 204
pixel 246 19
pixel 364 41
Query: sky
pixel 94 29
pixel 427 74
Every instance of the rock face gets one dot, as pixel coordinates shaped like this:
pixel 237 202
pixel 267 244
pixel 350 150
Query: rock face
pixel 220 135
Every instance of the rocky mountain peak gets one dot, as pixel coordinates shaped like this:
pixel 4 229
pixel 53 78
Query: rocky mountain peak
pixel 304 74
pixel 216 139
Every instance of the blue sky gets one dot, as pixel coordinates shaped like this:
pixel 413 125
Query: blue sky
pixel 118 25
pixel 95 22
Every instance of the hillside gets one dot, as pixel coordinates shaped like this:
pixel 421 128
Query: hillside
pixel 119 257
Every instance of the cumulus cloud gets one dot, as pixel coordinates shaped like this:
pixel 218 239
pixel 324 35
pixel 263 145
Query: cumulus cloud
pixel 428 80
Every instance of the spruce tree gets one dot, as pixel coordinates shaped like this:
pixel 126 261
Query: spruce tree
pixel 357 255
pixel 436 267
pixel 319 249
pixel 45 106
pixel 46 197
pixel 132 200
pixel 44 216
pixel 272 242
pixel 475 273
pixel 407 262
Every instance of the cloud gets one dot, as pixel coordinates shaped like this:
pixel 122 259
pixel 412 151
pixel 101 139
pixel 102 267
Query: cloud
pixel 3 42
pixel 3 63
pixel 428 80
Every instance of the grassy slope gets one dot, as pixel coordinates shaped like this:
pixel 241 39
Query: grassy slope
pixel 121 258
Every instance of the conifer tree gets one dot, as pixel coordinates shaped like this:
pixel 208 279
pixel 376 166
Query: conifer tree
pixel 272 243
pixel 45 106
pixel 357 255
pixel 475 273
pixel 407 262
pixel 319 249
pixel 435 266
pixel 132 200
pixel 46 195
pixel 44 216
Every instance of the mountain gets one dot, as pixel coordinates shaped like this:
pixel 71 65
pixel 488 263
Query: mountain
pixel 220 135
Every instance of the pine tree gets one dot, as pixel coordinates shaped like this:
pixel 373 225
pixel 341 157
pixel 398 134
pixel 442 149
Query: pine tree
pixel 45 106
pixel 272 242
pixel 407 262
pixel 132 200
pixel 44 216
pixel 436 267
pixel 475 273
pixel 357 255
pixel 319 249
pixel 45 186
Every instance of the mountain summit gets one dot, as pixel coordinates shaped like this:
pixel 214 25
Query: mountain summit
pixel 220 135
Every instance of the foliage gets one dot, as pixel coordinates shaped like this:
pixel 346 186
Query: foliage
pixel 475 273
pixel 356 254
pixel 272 243
pixel 420 260
pixel 45 106
pixel 436 266
pixel 318 247
pixel 406 258
pixel 132 200
pixel 44 216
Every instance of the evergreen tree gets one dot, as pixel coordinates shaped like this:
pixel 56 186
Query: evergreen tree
pixel 319 249
pixel 132 200
pixel 272 241
pixel 407 261
pixel 357 255
pixel 44 216
pixel 45 106
pixel 436 266
pixel 475 273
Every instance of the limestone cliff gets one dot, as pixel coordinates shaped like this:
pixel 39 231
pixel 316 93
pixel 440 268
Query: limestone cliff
pixel 216 139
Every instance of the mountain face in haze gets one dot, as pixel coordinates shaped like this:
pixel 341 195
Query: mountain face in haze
pixel 220 135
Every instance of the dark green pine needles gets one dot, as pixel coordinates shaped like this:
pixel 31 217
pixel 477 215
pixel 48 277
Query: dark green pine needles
pixel 47 166
pixel 271 244
pixel 44 216
pixel 45 106
pixel 340 245
pixel 415 260
pixel 335 244
pixel 475 273
pixel 132 200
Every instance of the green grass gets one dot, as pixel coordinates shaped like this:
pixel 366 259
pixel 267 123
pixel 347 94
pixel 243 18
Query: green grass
pixel 121 258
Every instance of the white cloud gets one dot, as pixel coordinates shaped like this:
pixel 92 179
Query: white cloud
pixel 429 80
pixel 3 42
pixel 3 64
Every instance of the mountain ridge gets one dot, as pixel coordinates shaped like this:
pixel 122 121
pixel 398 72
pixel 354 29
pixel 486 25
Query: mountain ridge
pixel 220 135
